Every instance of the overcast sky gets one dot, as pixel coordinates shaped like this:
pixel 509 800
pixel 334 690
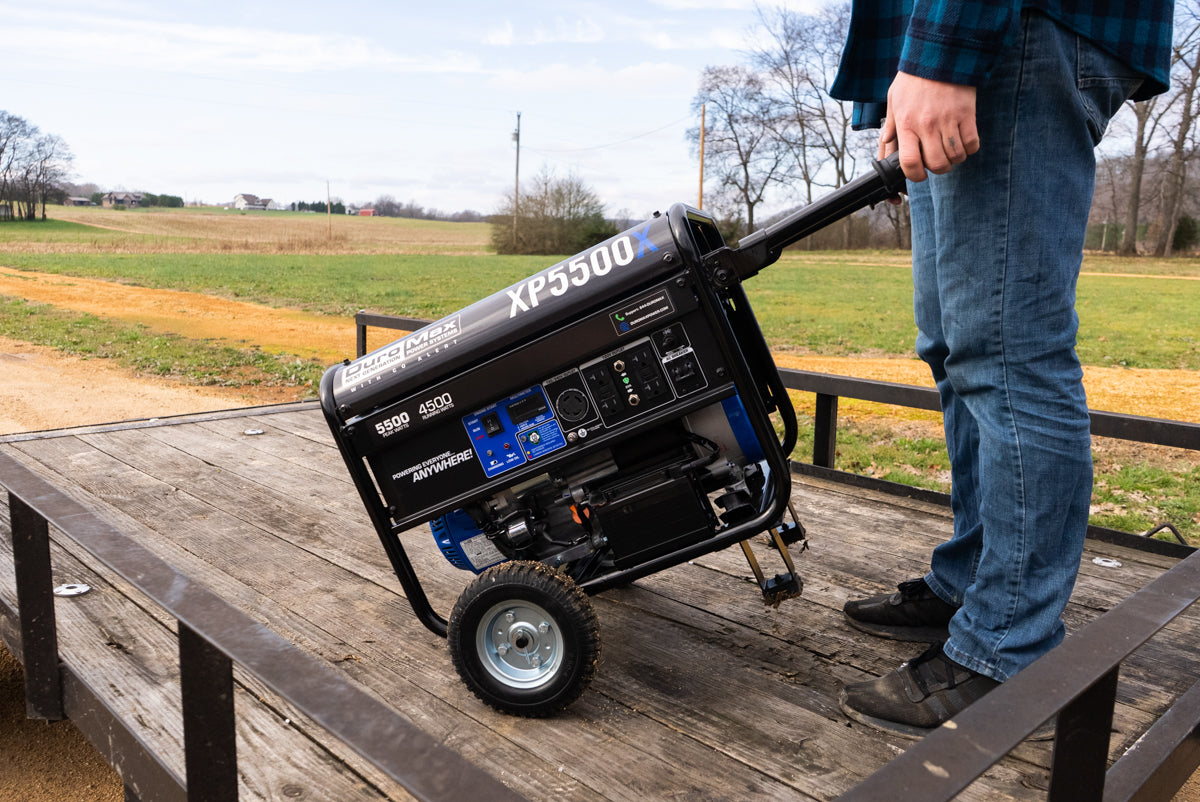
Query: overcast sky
pixel 418 100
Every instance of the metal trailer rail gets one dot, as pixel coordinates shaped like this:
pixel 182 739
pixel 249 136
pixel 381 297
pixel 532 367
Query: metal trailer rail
pixel 213 636
pixel 1077 682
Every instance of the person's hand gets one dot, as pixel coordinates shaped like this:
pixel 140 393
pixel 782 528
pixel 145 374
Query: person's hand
pixel 931 123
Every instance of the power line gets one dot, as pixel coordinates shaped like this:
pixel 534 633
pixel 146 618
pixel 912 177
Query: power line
pixel 611 144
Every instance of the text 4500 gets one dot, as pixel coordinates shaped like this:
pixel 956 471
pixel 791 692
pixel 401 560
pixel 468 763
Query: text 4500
pixel 392 425
pixel 432 406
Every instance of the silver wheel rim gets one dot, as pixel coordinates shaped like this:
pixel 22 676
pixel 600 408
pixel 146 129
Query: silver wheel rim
pixel 520 644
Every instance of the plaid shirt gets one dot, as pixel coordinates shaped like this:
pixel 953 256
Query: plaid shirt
pixel 958 41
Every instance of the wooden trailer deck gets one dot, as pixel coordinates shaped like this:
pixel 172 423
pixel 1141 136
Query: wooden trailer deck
pixel 702 691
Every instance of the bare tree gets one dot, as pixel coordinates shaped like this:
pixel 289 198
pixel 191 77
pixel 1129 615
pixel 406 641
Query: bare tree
pixel 557 216
pixel 798 55
pixel 1185 74
pixel 32 164
pixel 1148 113
pixel 48 166
pixel 741 151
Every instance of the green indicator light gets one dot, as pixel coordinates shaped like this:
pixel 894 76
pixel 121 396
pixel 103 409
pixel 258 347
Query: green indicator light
pixel 625 379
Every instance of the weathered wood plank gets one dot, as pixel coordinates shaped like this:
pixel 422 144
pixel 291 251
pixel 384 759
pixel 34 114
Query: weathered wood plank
pixel 702 692
pixel 365 616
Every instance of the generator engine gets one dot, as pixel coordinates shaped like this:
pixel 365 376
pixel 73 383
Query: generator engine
pixel 605 418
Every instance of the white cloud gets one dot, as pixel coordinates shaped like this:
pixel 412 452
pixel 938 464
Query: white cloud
pixel 559 31
pixel 584 79
pixel 695 5
pixel 502 36
pixel 188 47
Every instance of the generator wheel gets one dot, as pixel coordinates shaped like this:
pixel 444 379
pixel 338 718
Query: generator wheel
pixel 524 638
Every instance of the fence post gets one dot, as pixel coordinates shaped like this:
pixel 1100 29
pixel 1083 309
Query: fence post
pixel 35 600
pixel 825 431
pixel 1081 742
pixel 209 734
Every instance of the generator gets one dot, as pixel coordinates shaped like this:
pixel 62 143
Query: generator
pixel 613 415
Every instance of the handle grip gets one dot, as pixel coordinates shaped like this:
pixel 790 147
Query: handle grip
pixel 763 247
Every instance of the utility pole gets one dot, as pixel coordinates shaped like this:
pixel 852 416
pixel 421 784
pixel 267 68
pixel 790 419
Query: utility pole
pixel 329 210
pixel 517 180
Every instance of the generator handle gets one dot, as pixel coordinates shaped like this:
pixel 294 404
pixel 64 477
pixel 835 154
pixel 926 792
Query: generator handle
pixel 763 247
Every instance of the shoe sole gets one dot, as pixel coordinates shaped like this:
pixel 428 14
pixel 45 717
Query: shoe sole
pixel 1045 732
pixel 908 634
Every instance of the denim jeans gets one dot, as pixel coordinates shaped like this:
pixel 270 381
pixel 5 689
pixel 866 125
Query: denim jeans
pixel 997 246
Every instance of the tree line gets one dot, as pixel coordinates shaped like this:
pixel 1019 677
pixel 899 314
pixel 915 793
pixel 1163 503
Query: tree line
pixel 771 130
pixel 32 166
pixel 388 206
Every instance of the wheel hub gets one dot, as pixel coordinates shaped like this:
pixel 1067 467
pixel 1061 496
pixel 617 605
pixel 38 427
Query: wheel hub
pixel 519 644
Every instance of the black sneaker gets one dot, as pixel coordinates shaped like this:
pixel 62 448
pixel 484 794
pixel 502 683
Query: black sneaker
pixel 920 696
pixel 914 613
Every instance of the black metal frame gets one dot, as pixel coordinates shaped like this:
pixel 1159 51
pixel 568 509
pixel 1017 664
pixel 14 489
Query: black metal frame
pixel 213 636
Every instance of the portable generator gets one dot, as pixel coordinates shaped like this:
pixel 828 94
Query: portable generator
pixel 605 418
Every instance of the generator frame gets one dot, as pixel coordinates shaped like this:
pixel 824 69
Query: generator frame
pixel 528 607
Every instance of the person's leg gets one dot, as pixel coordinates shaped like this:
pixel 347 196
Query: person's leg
pixel 955 561
pixel 1011 224
pixel 997 247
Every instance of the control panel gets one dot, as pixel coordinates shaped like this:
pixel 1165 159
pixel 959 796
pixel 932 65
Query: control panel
pixel 606 391
pixel 513 431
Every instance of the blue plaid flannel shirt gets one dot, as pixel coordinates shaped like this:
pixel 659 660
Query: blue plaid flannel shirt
pixel 958 41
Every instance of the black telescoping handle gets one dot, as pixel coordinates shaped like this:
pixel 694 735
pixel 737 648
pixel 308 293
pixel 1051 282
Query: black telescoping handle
pixel 762 248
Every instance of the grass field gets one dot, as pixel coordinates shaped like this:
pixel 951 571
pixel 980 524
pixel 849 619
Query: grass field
pixel 835 307
pixel 217 230
pixel 1135 313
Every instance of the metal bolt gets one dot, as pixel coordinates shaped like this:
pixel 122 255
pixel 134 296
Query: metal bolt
pixel 535 661
pixel 502 649
pixel 509 617
pixel 544 627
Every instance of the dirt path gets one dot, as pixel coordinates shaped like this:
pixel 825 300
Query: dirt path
pixel 190 314
pixel 1171 394
pixel 41 389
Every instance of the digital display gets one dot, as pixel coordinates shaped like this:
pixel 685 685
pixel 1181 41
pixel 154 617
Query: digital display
pixel 527 408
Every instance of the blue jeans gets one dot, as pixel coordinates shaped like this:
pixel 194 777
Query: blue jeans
pixel 997 245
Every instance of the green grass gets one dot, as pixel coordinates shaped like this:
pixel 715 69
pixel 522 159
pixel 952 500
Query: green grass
pixel 400 284
pixel 151 354
pixel 1135 498
pixel 833 305
pixel 1161 487
pixel 53 231
pixel 834 309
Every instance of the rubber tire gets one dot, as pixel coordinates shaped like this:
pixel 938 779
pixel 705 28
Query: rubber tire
pixel 572 614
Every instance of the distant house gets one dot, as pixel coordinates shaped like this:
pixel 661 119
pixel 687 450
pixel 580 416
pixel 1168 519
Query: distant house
pixel 366 212
pixel 123 200
pixel 252 202
pixel 77 202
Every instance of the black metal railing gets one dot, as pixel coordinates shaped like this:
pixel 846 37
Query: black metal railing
pixel 1076 683
pixel 213 637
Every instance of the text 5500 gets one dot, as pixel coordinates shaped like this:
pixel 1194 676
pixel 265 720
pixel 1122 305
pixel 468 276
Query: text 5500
pixel 392 424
